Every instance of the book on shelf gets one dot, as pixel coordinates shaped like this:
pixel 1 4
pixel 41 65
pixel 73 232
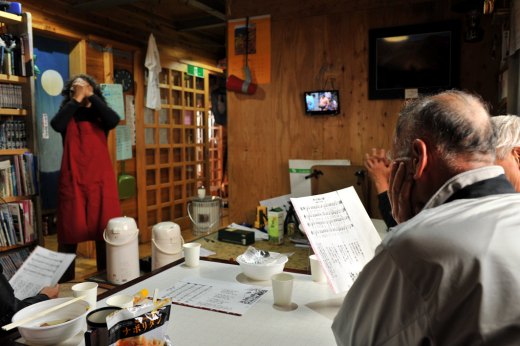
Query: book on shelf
pixel 14 209
pixel 31 173
pixel 3 233
pixel 5 178
pixel 19 175
pixel 14 54
pixel 13 134
pixel 2 57
pixel 11 261
pixel 29 226
pixel 11 96
pixel 17 224
pixel 8 266
pixel 8 224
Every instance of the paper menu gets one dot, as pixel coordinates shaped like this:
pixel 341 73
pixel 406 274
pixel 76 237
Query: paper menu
pixel 340 232
pixel 42 268
pixel 214 295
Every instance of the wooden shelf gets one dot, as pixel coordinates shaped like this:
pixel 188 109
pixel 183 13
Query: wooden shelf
pixel 10 199
pixel 9 18
pixel 17 246
pixel 13 151
pixel 11 78
pixel 13 112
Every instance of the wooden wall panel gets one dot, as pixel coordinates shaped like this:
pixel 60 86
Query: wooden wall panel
pixel 314 44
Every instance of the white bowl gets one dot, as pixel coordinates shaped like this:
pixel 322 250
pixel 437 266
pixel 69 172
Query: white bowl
pixel 262 272
pixel 122 301
pixel 32 331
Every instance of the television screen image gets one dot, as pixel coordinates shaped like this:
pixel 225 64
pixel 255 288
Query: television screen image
pixel 322 102
pixel 422 57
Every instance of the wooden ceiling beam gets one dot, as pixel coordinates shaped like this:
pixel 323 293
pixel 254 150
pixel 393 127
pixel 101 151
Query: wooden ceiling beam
pixel 101 4
pixel 128 28
pixel 197 24
pixel 208 9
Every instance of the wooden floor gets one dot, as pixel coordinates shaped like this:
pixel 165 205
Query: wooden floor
pixel 85 267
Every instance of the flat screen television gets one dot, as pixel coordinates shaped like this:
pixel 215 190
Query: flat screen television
pixel 424 57
pixel 321 102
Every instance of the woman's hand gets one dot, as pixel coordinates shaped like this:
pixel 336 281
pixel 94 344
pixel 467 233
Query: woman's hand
pixel 81 91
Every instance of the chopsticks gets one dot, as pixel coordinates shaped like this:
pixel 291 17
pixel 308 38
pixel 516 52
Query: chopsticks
pixel 40 314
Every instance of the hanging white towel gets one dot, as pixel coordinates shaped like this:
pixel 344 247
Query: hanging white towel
pixel 153 64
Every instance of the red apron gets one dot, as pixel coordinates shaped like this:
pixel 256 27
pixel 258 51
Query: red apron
pixel 88 195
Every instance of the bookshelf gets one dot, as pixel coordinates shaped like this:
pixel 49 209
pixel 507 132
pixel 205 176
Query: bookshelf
pixel 20 224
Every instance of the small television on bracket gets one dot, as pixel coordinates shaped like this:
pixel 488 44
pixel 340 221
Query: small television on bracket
pixel 417 58
pixel 321 102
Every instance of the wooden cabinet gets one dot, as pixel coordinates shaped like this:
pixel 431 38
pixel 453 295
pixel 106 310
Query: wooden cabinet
pixel 19 178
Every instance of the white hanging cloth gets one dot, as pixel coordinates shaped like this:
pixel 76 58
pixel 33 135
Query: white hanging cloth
pixel 153 64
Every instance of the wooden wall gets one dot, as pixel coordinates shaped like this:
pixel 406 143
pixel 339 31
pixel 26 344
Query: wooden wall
pixel 269 128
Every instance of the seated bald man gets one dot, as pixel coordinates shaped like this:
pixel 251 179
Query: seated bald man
pixel 449 273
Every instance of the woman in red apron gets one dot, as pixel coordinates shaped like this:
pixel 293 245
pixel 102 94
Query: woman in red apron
pixel 87 188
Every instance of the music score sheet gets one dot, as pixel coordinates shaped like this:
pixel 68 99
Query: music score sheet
pixel 42 268
pixel 340 232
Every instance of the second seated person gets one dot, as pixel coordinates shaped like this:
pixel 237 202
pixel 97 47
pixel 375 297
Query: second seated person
pixel 87 188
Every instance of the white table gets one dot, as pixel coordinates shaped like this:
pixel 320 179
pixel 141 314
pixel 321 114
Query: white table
pixel 308 323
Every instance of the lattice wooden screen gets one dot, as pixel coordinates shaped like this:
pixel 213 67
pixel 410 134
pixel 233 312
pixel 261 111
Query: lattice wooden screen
pixel 173 150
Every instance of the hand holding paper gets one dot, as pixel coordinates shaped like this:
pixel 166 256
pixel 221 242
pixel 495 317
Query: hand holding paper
pixel 43 268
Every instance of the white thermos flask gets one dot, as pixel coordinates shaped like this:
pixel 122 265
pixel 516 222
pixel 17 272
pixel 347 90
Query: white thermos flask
pixel 121 237
pixel 167 244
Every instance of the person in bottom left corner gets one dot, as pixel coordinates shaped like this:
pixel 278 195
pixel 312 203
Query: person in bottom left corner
pixel 9 304
pixel 87 188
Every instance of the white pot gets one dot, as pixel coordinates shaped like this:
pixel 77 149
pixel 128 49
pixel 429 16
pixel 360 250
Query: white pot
pixel 167 244
pixel 121 237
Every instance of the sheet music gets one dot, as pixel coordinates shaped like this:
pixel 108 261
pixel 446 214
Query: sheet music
pixel 214 295
pixel 43 268
pixel 340 232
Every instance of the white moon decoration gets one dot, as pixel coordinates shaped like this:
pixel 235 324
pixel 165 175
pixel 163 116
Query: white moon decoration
pixel 52 82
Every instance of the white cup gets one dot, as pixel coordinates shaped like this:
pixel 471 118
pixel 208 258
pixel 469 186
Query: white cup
pixel 87 289
pixel 121 301
pixel 191 254
pixel 282 288
pixel 316 271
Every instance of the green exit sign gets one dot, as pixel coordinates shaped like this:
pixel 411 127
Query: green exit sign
pixel 195 71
